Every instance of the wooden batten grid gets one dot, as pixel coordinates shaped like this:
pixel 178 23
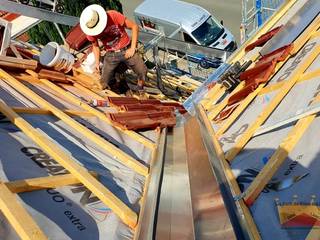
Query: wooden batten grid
pixel 294 77
pixel 241 53
pixel 116 153
pixel 127 215
pixel 286 145
pixel 77 174
pixel 74 100
pixel 96 112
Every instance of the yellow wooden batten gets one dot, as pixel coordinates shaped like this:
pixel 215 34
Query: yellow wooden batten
pixel 18 216
pixel 277 86
pixel 33 184
pixel 115 152
pixel 128 216
pixel 47 112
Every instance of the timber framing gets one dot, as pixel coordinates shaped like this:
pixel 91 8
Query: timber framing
pixel 108 147
pixel 57 153
pixel 77 174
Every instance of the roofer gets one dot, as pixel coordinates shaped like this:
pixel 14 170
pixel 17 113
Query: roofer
pixel 110 28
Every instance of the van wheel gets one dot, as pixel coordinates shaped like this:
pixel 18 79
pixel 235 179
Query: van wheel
pixel 204 64
pixel 24 1
pixel 59 8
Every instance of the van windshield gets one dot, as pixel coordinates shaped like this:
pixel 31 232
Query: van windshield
pixel 208 32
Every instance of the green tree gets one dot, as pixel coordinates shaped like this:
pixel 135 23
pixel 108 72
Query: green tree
pixel 46 32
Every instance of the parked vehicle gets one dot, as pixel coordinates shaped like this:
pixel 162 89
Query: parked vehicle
pixel 184 21
pixel 205 62
pixel 53 5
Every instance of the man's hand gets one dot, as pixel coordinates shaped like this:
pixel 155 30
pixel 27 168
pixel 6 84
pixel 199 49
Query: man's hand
pixel 129 53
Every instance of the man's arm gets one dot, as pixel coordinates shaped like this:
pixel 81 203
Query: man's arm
pixel 96 52
pixel 134 37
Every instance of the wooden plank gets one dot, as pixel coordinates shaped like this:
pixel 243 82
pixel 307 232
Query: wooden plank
pixel 88 91
pixel 277 86
pixel 250 224
pixel 34 184
pixel 24 77
pixel 47 112
pixel 294 76
pixel 102 116
pixel 18 217
pixel 33 63
pixel 16 65
pixel 15 51
pixel 115 152
pixel 66 160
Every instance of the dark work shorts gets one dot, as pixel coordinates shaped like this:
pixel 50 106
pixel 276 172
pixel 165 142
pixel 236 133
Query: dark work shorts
pixel 113 59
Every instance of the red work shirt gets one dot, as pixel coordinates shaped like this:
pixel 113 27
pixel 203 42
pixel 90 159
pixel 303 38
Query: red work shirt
pixel 114 36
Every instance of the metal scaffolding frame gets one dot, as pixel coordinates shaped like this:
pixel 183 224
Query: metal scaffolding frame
pixel 254 14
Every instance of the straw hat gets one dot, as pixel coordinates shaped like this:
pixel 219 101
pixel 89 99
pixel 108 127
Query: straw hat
pixel 93 20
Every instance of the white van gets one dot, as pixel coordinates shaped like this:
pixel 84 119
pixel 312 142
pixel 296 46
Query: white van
pixel 184 21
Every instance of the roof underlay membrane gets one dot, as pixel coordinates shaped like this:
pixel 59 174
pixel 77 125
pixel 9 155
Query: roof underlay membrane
pixel 66 172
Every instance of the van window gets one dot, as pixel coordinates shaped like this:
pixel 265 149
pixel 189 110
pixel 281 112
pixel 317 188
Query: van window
pixel 188 38
pixel 208 32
